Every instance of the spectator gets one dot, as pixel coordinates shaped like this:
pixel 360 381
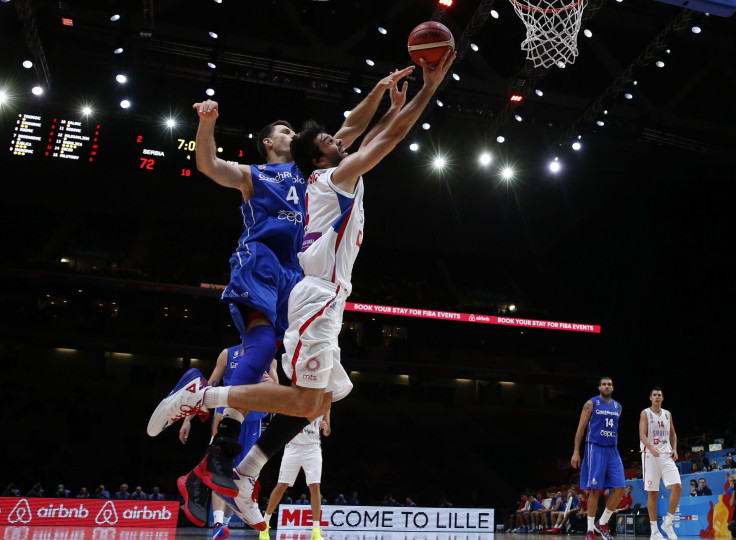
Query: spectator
pixel 83 493
pixel 101 493
pixel 354 500
pixel 714 466
pixel 155 495
pixel 703 489
pixel 35 491
pixel 11 491
pixel 696 467
pixel 730 490
pixel 445 503
pixel 388 500
pixel 730 463
pixel 624 506
pixel 693 488
pixel 341 499
pixel 732 502
pixel 138 494
pixel 409 502
pixel 61 493
pixel 123 494
pixel 302 499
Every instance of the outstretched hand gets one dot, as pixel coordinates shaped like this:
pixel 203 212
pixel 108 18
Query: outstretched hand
pixel 207 110
pixel 435 73
pixel 398 96
pixel 390 80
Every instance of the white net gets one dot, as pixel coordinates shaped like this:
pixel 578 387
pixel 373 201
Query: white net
pixel 552 28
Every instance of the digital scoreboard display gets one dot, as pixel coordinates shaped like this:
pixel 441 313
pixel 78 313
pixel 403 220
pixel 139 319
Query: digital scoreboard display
pixel 54 137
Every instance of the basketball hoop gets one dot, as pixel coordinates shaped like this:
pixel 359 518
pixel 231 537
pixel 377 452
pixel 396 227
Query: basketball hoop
pixel 552 28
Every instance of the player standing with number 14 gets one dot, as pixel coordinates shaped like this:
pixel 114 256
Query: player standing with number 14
pixel 602 467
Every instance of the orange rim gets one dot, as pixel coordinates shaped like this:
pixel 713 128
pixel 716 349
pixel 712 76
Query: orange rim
pixel 547 10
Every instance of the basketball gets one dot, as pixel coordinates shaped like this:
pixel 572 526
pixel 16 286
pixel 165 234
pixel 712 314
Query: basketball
pixel 430 40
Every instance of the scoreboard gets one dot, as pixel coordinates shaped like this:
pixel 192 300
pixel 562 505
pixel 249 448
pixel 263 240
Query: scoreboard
pixel 147 148
pixel 55 137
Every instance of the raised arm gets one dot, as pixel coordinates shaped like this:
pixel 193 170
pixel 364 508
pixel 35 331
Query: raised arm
pixel 224 173
pixel 353 166
pixel 359 118
pixel 584 419
pixel 398 99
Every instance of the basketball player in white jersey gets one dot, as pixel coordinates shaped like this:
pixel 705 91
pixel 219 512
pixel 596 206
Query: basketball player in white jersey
pixel 658 456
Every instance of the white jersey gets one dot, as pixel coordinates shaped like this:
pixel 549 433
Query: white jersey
pixel 333 230
pixel 658 430
pixel 308 435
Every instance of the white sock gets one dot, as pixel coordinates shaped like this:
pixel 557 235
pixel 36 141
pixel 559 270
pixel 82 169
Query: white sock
pixel 218 516
pixel 226 520
pixel 669 518
pixel 253 462
pixel 216 397
pixel 591 523
pixel 267 518
pixel 229 412
pixel 606 516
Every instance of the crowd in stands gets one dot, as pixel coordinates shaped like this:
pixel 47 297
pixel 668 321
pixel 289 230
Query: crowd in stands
pixel 124 494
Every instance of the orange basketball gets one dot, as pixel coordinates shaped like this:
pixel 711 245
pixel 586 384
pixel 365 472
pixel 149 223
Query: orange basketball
pixel 430 40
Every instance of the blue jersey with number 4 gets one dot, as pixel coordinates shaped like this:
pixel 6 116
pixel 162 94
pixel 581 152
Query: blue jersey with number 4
pixel 603 423
pixel 274 214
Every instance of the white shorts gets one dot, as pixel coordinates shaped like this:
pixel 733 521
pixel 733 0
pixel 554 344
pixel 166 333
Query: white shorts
pixel 301 456
pixel 312 357
pixel 656 468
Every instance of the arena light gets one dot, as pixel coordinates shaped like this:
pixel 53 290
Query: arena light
pixel 356 90
pixel 659 64
pixel 67 21
pixel 696 29
pixel 500 139
pixel 213 35
pixel 494 14
pixel 439 103
pixel 456 76
pixel 125 104
pixel 37 90
pixel 600 123
pixel 370 62
pixel 539 92
pixel 474 47
pixel 446 3
pixel 3 97
pixel 170 123
pixel 588 33
pixel 211 65
pixel 439 162
pixel 554 166
pixel 426 126
pixel 507 173
pixel 516 98
pixel 518 118
pixel 576 146
pixel 485 159
pixel 115 17
pixel 413 147
pixel 119 50
pixel 122 79
pixel 210 92
pixel 27 64
pixel 629 95
pixel 346 113
pixel 382 30
pixel 86 110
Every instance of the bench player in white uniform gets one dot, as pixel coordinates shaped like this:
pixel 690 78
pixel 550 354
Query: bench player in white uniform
pixel 312 358
pixel 658 443
pixel 303 452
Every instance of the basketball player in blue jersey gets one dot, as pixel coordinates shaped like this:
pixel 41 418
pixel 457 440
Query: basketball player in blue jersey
pixel 602 467
pixel 332 238
pixel 264 268
pixel 196 493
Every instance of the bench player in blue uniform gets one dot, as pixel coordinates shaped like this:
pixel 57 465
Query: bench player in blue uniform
pixel 602 467
pixel 264 268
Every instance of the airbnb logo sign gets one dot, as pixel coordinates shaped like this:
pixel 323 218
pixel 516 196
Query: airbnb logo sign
pixel 21 513
pixel 107 514
pixel 92 513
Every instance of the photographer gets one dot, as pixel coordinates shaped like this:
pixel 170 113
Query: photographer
pixel 100 493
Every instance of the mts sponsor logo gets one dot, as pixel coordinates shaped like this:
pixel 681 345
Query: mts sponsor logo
pixel 300 518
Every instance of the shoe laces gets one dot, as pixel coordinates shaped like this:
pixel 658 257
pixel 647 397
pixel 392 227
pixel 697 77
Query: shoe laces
pixel 188 410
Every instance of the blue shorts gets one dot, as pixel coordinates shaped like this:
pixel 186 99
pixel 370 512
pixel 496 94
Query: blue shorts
pixel 602 468
pixel 259 281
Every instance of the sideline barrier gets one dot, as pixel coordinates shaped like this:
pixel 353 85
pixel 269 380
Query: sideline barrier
pixel 388 518
pixel 25 532
pixel 705 516
pixel 87 512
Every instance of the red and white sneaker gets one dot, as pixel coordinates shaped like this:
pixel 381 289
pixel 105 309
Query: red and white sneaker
pixel 186 399
pixel 245 505
pixel 604 531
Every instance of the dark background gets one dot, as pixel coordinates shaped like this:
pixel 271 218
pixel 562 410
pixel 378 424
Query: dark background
pixel 635 234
